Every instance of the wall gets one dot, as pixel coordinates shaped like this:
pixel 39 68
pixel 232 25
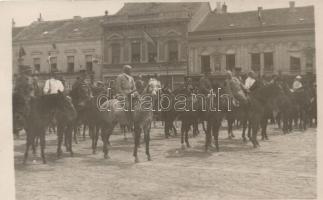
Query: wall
pixel 77 49
pixel 282 47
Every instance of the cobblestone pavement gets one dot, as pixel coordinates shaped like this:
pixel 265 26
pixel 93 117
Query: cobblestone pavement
pixel 282 168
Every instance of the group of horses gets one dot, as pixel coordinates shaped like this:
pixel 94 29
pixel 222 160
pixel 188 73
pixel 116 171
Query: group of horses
pixel 268 101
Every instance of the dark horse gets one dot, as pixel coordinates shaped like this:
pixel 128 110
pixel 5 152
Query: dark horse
pixel 39 117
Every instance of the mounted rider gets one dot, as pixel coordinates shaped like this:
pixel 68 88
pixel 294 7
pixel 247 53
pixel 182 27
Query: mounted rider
pixel 205 83
pixel 81 91
pixel 140 84
pixel 297 84
pixel 235 89
pixel 53 85
pixel 125 86
pixel 154 82
pixel 24 89
pixel 251 83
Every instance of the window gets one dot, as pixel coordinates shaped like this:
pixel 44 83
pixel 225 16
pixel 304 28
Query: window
pixel 205 64
pixel 309 58
pixel 53 63
pixel 89 63
pixel 217 63
pixel 70 64
pixel 135 52
pixel 172 51
pixel 230 61
pixel 36 64
pixel 152 52
pixel 255 62
pixel 295 64
pixel 116 50
pixel 268 61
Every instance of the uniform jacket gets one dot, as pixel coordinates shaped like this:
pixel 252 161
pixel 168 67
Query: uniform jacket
pixel 125 84
pixel 205 85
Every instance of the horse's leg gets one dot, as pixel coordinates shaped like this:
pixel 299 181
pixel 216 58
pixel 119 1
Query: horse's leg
pixel 60 140
pixel 137 131
pixel 93 137
pixel 105 135
pixel 174 128
pixel 84 130
pixel 208 136
pixel 215 131
pixel 263 124
pixel 182 133
pixel 75 133
pixel 244 127
pixel 68 136
pixel 29 141
pixel 124 132
pixel 42 144
pixel 147 139
pixel 186 135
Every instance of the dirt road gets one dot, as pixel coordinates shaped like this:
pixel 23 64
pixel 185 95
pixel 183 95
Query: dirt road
pixel 282 168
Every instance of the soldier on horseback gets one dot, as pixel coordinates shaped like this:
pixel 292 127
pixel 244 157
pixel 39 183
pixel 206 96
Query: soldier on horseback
pixel 205 83
pixel 53 85
pixel 297 84
pixel 235 88
pixel 81 91
pixel 125 86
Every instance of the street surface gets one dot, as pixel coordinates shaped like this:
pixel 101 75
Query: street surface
pixel 282 168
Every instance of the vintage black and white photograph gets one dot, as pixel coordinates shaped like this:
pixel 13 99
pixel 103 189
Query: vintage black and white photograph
pixel 163 100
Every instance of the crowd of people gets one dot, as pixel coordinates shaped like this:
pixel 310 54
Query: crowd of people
pixel 237 84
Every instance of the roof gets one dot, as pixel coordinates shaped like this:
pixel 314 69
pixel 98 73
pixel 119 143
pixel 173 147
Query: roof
pixel 78 27
pixel 236 20
pixel 16 30
pixel 157 7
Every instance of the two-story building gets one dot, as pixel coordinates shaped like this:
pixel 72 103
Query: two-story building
pixel 263 40
pixel 65 45
pixel 152 38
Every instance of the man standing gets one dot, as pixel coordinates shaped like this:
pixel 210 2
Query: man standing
pixel 53 85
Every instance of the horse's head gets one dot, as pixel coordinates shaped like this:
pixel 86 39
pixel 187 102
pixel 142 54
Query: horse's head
pixel 64 104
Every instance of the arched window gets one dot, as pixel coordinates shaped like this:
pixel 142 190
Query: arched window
pixel 115 52
pixel 172 51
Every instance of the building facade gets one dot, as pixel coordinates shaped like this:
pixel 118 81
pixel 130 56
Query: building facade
pixel 265 41
pixel 66 46
pixel 152 38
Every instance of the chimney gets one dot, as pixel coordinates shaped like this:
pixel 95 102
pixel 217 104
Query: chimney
pixel 260 14
pixel 292 5
pixel 218 7
pixel 106 13
pixel 224 8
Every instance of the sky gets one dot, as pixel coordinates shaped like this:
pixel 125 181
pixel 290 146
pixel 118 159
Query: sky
pixel 24 12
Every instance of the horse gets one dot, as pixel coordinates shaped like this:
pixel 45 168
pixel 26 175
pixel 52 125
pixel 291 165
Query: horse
pixel 140 117
pixel 39 116
pixel 65 124
pixel 256 108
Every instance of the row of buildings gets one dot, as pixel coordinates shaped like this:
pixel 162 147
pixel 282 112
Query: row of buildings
pixel 171 39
